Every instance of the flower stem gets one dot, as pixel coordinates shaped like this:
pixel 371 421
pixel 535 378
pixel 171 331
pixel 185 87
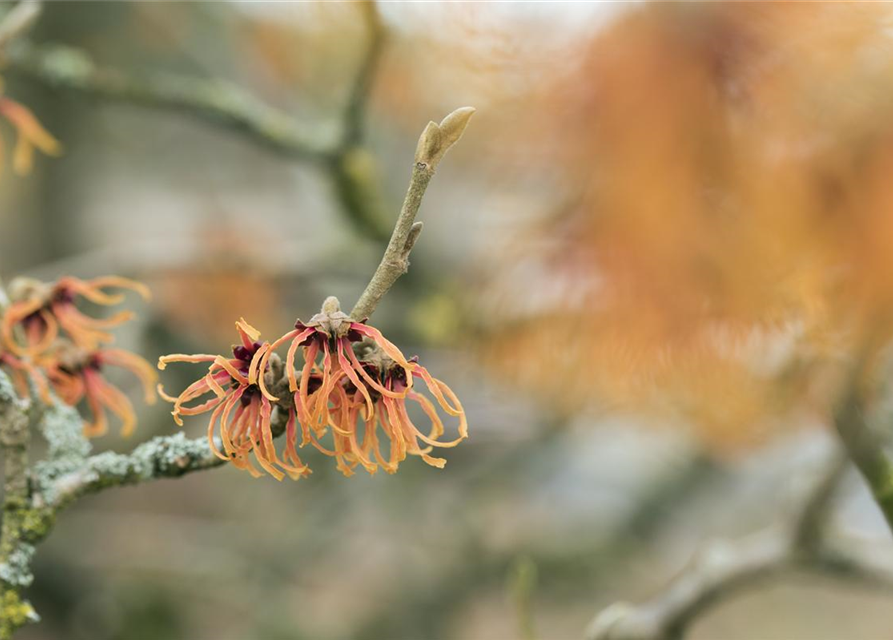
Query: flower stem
pixel 434 142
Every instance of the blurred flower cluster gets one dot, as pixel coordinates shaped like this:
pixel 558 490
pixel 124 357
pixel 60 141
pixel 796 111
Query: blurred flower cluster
pixel 725 238
pixel 30 134
pixel 353 383
pixel 48 342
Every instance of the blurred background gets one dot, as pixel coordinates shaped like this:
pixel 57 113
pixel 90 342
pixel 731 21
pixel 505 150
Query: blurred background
pixel 639 271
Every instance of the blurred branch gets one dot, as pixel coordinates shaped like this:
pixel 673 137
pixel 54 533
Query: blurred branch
pixel 61 67
pixel 342 156
pixel 521 588
pixel 19 20
pixel 430 606
pixel 162 457
pixel 434 142
pixel 864 448
pixel 716 572
pixel 352 168
pixel 809 521
pixel 724 568
pixel 353 133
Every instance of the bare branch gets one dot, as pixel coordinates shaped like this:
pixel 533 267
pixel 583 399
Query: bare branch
pixel 353 132
pixel 353 169
pixel 72 69
pixel 864 448
pixel 717 572
pixel 473 570
pixel 434 142
pixel 810 521
pixel 726 567
pixel 853 560
pixel 338 150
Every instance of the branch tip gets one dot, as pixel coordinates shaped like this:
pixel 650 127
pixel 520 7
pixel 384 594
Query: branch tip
pixel 434 142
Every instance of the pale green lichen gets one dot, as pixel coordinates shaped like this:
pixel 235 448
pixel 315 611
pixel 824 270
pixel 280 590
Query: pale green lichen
pixel 67 452
pixel 7 392
pixel 16 553
pixel 161 456
pixel 17 568
pixel 172 453
pixel 167 456
pixel 37 523
pixel 8 396
pixel 119 467
pixel 62 428
pixel 14 612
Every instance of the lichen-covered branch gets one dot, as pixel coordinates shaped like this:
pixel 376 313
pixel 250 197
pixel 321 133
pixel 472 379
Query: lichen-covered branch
pixel 724 568
pixel 15 547
pixel 34 496
pixel 434 142
pixel 161 457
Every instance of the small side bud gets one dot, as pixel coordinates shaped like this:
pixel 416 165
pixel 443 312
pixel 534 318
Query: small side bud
pixel 414 232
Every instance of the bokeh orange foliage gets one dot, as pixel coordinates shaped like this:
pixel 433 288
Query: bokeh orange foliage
pixel 729 233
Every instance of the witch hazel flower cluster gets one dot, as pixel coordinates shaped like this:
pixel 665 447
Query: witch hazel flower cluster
pixel 350 398
pixel 48 342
